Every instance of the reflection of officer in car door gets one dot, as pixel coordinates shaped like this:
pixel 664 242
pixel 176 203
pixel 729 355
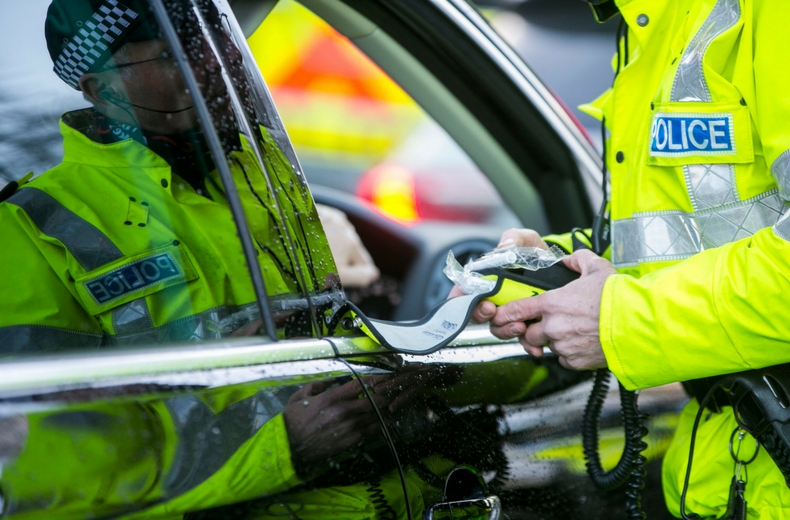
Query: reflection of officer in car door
pixel 184 453
pixel 698 162
pixel 130 240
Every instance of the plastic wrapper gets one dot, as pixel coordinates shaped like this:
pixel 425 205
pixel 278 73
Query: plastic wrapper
pixel 470 281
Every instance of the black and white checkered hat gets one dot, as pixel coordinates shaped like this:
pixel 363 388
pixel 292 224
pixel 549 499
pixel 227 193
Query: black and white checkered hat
pixel 83 34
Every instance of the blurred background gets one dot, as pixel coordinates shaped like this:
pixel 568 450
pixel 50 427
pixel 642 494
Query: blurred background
pixel 353 128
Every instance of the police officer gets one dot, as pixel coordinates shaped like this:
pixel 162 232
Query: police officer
pixel 695 282
pixel 130 239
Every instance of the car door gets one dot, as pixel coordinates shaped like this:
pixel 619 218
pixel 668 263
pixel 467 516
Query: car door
pixel 478 405
pixel 160 339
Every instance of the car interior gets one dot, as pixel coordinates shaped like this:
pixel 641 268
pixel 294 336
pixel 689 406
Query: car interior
pixel 523 158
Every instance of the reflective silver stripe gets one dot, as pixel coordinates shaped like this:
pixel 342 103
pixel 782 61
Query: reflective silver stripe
pixel 132 317
pixel 710 185
pixel 675 235
pixel 690 84
pixel 207 440
pixel 782 227
pixel 781 172
pixel 139 330
pixel 719 215
pixel 29 339
pixel 84 241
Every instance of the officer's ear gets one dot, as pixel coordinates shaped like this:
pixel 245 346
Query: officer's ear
pixel 100 92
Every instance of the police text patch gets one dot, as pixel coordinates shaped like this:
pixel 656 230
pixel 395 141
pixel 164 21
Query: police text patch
pixel 681 135
pixel 133 277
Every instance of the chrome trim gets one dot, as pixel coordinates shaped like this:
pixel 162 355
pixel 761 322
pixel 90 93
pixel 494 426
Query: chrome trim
pixel 217 363
pixel 468 18
pixel 37 375
pixel 472 336
pixel 489 508
pixel 468 355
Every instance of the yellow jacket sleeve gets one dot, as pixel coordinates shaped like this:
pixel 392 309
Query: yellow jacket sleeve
pixel 718 312
pixel 43 313
pixel 723 310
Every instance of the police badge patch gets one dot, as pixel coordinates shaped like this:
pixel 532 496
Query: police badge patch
pixel 682 135
pixel 133 277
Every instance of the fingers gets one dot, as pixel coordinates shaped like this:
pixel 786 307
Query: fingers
pixel 521 238
pixel 509 330
pixel 525 309
pixel 309 390
pixel 536 335
pixel 358 275
pixel 250 329
pixel 484 312
pixel 531 349
pixel 582 261
pixel 455 291
pixel 349 391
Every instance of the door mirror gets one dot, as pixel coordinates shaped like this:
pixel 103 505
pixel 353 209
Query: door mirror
pixel 465 497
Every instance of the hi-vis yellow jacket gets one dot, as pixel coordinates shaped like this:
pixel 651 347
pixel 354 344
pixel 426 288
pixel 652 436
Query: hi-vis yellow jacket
pixel 699 155
pixel 110 248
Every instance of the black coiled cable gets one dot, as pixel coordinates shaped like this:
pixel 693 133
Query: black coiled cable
pixel 629 471
pixel 383 508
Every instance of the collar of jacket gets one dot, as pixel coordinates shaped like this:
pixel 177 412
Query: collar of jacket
pixel 634 11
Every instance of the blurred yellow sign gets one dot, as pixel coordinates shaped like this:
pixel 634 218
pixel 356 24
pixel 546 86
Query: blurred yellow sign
pixel 333 99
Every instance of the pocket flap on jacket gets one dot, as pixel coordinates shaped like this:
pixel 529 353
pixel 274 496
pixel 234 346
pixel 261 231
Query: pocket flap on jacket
pixel 134 277
pixel 700 133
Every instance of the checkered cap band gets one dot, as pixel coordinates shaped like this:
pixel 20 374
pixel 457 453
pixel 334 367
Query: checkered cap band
pixel 93 41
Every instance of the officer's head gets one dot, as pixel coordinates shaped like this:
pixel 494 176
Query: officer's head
pixel 115 53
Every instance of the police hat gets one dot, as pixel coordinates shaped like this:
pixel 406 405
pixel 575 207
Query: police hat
pixel 83 34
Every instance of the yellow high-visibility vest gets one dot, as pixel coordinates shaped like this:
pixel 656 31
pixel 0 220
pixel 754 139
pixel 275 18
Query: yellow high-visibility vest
pixel 110 248
pixel 699 158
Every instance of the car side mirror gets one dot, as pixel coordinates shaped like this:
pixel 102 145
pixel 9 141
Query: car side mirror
pixel 465 497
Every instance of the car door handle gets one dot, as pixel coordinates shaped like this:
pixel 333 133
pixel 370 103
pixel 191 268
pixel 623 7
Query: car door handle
pixel 488 508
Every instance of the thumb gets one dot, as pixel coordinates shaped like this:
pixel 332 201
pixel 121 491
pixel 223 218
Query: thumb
pixel 581 261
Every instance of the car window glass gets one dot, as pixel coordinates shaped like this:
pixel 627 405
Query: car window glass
pixel 283 222
pixel 357 131
pixel 124 235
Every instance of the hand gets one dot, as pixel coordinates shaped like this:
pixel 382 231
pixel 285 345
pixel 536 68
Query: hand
pixel 354 264
pixel 511 238
pixel 253 328
pixel 323 422
pixel 412 381
pixel 521 238
pixel 565 319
